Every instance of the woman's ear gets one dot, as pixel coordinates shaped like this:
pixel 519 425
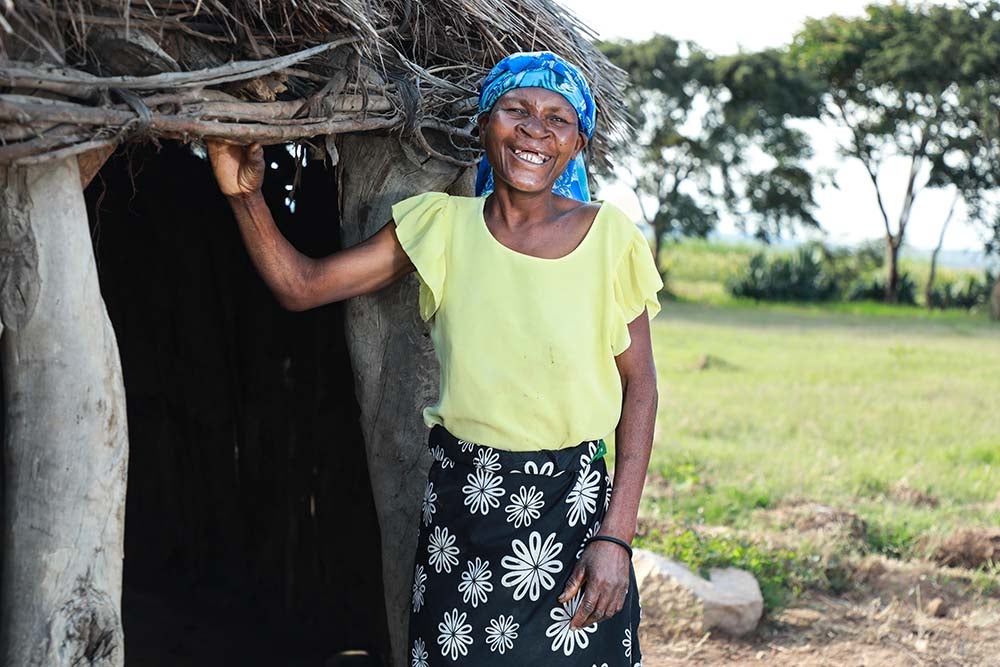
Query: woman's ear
pixel 581 143
pixel 482 120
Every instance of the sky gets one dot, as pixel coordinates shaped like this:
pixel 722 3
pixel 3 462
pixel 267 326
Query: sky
pixel 848 213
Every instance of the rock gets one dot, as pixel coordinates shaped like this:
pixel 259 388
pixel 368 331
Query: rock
pixel 937 608
pixel 676 601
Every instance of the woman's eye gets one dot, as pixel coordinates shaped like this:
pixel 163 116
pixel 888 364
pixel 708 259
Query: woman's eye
pixel 557 119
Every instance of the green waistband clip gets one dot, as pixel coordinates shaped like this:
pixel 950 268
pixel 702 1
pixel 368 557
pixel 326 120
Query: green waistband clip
pixel 602 449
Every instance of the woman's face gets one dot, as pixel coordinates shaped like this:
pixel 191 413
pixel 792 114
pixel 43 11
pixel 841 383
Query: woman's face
pixel 530 136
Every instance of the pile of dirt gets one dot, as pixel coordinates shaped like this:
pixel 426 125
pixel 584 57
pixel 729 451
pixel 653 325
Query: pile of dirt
pixel 970 549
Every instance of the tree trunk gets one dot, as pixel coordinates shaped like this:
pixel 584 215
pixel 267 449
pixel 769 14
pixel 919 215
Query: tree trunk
pixel 929 288
pixel 66 445
pixel 892 270
pixel 995 299
pixel 396 372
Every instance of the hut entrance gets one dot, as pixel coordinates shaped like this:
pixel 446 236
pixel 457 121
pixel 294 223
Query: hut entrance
pixel 250 533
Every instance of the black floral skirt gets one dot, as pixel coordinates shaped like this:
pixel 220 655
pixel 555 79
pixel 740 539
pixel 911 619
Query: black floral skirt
pixel 500 533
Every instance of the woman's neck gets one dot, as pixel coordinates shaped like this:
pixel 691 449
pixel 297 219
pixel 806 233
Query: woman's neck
pixel 517 209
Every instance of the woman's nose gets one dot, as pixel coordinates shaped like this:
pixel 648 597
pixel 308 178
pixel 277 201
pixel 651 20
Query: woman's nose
pixel 533 126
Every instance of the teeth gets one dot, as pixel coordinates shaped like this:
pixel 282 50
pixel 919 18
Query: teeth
pixel 529 156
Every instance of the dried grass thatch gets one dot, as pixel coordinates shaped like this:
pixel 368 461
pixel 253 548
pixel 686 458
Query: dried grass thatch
pixel 82 74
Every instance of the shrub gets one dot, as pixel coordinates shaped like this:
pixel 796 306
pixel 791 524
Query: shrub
pixel 873 289
pixel 801 276
pixel 972 292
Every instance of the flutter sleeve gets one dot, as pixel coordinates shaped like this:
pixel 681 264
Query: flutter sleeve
pixel 423 227
pixel 636 282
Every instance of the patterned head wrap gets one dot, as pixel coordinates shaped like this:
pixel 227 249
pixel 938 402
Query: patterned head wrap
pixel 542 69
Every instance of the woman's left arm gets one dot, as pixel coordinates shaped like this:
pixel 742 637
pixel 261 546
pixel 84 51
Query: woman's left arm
pixel 602 570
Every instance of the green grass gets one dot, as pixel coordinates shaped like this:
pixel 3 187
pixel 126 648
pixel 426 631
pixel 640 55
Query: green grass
pixel 829 404
pixel 839 403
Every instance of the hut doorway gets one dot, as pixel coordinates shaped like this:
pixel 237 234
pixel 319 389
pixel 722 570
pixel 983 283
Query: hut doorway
pixel 250 533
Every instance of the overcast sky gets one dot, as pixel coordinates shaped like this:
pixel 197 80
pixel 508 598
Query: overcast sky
pixel 850 213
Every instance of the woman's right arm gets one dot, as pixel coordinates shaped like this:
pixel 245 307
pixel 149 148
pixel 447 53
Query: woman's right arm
pixel 297 281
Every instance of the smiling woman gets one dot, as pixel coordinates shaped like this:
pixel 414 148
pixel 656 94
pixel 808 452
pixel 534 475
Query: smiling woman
pixel 539 303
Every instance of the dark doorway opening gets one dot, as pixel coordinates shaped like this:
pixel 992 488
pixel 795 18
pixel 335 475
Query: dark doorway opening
pixel 250 532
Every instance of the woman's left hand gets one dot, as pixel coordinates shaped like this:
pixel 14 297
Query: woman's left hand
pixel 603 574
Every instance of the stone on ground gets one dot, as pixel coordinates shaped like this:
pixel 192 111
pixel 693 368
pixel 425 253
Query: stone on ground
pixel 676 601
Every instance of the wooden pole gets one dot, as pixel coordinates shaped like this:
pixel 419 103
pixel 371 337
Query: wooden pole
pixel 66 447
pixel 395 370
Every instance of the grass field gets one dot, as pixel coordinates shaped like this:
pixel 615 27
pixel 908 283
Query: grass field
pixel 864 407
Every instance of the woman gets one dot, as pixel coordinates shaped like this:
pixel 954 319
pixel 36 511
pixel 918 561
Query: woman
pixel 540 304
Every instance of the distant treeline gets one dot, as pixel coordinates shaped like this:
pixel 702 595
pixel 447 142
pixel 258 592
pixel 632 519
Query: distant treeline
pixel 721 135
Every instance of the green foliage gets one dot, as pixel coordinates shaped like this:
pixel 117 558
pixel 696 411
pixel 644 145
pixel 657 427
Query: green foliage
pixel 968 292
pixel 918 82
pixel 781 573
pixel 801 276
pixel 873 289
pixel 895 540
pixel 697 119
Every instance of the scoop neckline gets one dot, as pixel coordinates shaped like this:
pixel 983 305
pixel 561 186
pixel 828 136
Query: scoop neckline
pixel 516 253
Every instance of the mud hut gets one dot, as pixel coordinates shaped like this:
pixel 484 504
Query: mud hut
pixel 189 471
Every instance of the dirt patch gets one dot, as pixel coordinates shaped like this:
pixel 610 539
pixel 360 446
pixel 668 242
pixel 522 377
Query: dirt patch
pixel 807 516
pixel 970 549
pixel 903 493
pixel 886 620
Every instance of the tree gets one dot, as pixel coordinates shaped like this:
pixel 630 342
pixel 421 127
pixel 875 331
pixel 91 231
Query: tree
pixel 911 82
pixel 712 138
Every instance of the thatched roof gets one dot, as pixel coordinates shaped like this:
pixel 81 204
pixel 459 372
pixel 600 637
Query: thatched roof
pixel 80 74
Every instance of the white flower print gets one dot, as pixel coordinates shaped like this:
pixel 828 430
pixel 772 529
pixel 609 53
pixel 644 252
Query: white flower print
pixel 483 491
pixel 607 492
pixel 627 643
pixel 532 566
pixel 582 499
pixel 442 550
pixel 438 453
pixel 590 533
pixel 428 508
pixel 418 653
pixel 476 582
pixel 564 635
pixel 456 634
pixel 588 458
pixel 466 445
pixel 419 587
pixel 532 468
pixel 487 458
pixel 524 506
pixel 501 633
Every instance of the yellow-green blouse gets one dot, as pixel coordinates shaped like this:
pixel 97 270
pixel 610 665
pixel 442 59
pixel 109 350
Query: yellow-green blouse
pixel 526 345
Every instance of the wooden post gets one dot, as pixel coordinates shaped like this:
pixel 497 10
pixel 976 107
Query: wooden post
pixel 66 446
pixel 395 370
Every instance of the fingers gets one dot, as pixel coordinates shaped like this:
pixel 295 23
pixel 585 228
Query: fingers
pixel 587 612
pixel 599 604
pixel 576 580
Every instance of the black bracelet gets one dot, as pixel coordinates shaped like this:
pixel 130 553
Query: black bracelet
pixel 607 538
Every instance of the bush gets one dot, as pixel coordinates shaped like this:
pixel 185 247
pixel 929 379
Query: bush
pixel 802 276
pixel 873 289
pixel 972 292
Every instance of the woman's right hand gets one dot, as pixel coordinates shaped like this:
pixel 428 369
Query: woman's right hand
pixel 239 170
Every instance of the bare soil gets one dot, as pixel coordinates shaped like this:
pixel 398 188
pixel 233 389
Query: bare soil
pixel 896 614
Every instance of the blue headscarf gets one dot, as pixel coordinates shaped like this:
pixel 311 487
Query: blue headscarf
pixel 542 69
